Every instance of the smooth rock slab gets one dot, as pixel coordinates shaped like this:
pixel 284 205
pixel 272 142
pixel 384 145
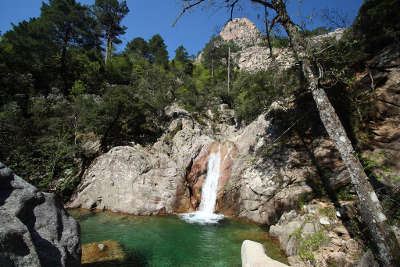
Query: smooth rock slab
pixel 253 255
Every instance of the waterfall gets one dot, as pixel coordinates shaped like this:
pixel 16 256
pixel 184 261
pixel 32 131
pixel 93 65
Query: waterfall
pixel 209 190
pixel 206 214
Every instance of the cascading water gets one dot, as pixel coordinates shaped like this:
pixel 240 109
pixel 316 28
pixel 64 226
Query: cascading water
pixel 206 214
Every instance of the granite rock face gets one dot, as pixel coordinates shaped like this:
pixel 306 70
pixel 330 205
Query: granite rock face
pixel 146 181
pixel 242 32
pixel 35 230
pixel 253 255
pixel 131 180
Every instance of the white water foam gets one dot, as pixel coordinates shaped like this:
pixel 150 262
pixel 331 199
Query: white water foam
pixel 205 214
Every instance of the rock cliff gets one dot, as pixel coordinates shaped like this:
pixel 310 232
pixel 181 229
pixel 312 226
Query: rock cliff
pixel 254 53
pixel 35 230
pixel 257 183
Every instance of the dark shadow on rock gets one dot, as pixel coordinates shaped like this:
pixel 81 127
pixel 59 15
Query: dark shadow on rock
pixel 6 188
pixel 13 241
pixel 49 255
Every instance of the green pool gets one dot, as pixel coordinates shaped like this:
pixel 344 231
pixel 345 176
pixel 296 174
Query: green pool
pixel 169 241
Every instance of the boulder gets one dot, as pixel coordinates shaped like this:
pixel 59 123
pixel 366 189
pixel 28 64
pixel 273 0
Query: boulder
pixel 35 229
pixel 253 255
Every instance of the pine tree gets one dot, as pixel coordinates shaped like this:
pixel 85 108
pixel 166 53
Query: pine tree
pixel 109 15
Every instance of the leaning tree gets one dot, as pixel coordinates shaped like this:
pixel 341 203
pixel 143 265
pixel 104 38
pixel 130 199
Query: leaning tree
pixel 388 248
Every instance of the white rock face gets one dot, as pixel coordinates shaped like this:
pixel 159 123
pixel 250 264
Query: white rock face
pixel 243 32
pixel 254 54
pixel 253 255
pixel 131 180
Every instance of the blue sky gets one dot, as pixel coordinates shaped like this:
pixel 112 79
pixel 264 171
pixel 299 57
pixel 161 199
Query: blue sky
pixel 194 29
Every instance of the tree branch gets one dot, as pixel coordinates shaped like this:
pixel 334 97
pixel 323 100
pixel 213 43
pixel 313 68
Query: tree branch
pixel 232 6
pixel 186 9
pixel 264 3
pixel 274 20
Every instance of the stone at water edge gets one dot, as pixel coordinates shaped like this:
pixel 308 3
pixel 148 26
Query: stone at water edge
pixel 253 255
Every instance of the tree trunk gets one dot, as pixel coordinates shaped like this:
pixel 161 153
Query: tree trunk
pixel 371 210
pixel 108 50
pixel 267 32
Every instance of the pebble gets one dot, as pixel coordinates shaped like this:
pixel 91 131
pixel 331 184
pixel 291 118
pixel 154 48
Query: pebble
pixel 101 247
pixel 324 221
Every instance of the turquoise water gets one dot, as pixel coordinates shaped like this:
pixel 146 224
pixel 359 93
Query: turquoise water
pixel 169 241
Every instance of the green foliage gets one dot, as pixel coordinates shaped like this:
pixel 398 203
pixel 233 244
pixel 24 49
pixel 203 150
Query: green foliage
pixel 253 93
pixel 345 194
pixel 181 54
pixel 329 212
pixel 78 88
pixel 118 70
pixel 215 53
pixel 310 243
pixel 158 50
pixel 280 42
pixel 317 31
pixel 109 14
pixel 138 47
pixel 377 24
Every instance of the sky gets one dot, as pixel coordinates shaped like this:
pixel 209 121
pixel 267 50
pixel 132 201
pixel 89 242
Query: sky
pixel 193 30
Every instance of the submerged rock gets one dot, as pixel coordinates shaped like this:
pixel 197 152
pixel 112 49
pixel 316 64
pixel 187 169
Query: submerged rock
pixel 35 229
pixel 104 251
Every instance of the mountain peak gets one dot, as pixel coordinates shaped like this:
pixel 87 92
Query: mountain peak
pixel 241 31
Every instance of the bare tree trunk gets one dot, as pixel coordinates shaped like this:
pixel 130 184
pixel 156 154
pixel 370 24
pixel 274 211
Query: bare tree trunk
pixel 371 210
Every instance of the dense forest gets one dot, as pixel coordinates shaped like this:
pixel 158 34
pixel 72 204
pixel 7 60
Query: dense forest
pixel 64 85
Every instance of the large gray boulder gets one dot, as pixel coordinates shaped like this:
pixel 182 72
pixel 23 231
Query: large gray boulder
pixel 35 229
pixel 253 255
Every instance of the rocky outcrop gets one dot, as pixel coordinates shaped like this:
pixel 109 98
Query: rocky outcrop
pixel 131 180
pixel 315 236
pixel 253 255
pixel 254 54
pixel 384 144
pixel 242 32
pixel 35 230
pixel 146 181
